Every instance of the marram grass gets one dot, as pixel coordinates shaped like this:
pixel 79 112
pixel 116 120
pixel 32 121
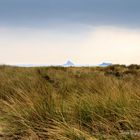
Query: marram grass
pixel 56 103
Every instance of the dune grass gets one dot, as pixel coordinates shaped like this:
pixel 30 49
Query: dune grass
pixel 56 103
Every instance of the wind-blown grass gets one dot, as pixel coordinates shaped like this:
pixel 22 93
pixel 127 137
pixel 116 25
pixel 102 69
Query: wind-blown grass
pixel 57 103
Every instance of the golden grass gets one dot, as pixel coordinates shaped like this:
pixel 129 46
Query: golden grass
pixel 56 103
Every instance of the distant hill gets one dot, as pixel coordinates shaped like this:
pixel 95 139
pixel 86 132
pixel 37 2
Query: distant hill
pixel 105 64
pixel 68 64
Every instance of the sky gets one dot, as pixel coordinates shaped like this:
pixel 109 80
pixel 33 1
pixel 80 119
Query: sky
pixel 83 31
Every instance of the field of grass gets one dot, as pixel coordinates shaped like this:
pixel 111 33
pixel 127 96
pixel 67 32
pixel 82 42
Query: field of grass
pixel 57 103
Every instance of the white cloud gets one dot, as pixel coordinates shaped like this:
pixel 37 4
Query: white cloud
pixel 97 44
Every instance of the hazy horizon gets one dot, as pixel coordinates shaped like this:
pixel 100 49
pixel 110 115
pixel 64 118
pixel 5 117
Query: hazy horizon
pixel 83 31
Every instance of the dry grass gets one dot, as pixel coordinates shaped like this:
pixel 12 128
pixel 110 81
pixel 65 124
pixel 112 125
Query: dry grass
pixel 57 103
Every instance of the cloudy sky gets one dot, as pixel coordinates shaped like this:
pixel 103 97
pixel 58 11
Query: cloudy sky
pixel 84 31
